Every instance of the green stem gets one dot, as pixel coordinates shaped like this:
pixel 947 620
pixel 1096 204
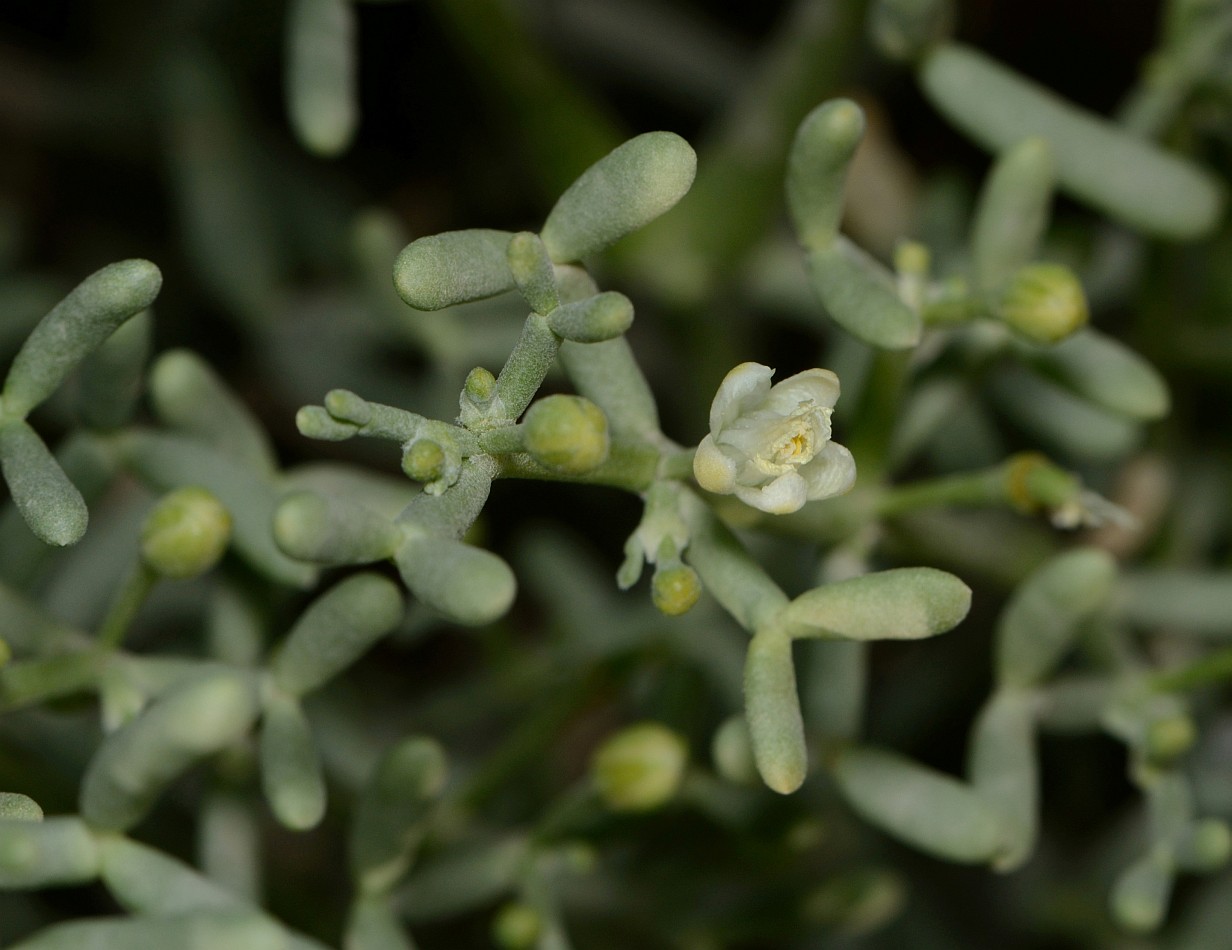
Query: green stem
pixel 874 424
pixel 124 607
pixel 1212 668
pixel 630 465
pixel 979 488
pixel 526 368
pixel 677 465
pixel 729 572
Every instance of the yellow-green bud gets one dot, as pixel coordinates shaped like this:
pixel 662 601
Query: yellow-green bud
pixel 1170 737
pixel 567 434
pixel 1043 302
pixel 6 653
pixel 185 534
pixel 639 768
pixel 912 257
pixel 516 926
pixel 1205 846
pixel 424 460
pixel 676 589
pixel 480 385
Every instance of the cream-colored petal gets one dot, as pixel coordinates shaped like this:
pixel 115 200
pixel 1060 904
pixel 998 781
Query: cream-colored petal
pixel 713 469
pixel 785 494
pixel 743 387
pixel 817 386
pixel 831 472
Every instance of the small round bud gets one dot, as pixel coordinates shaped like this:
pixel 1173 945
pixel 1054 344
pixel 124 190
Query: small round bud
pixel 424 460
pixel 1205 846
pixel 732 751
pixel 480 385
pixel 639 768
pixel 1043 302
pixel 567 434
pixel 1170 737
pixel 675 590
pixel 185 534
pixel 516 926
pixel 912 257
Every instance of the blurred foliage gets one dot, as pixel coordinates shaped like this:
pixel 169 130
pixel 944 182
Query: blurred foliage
pixel 162 131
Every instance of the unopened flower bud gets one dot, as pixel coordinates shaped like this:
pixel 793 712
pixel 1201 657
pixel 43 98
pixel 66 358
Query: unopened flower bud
pixel 424 461
pixel 639 768
pixel 186 533
pixel 567 434
pixel 676 589
pixel 1043 302
pixel 1169 738
pixel 1205 846
pixel 516 926
pixel 480 385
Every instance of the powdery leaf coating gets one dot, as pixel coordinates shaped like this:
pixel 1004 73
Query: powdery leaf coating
pixel 320 79
pixel 137 761
pixel 290 766
pixel 770 445
pixel 906 603
pixel 859 293
pixel 49 503
pixel 1123 175
pixel 772 711
pixel 817 169
pixel 39 853
pixel 335 631
pixel 77 325
pixel 928 809
pixel 467 584
pixel 624 190
pixel 1046 612
pixel 455 267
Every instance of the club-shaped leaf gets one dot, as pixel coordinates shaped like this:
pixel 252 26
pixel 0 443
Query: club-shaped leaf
pixel 320 87
pixel 925 808
pixel 906 603
pixel 859 294
pixel 136 762
pixel 48 502
pixel 817 169
pixel 1128 177
pixel 451 268
pixel 1046 612
pixel 52 852
pixel 75 327
pixel 626 189
pixel 290 767
pixel 772 710
pixel 335 631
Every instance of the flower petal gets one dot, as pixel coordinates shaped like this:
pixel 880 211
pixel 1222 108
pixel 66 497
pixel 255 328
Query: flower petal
pixel 714 470
pixel 743 387
pixel 831 472
pixel 817 386
pixel 785 494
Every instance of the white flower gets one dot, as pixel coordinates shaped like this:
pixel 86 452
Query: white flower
pixel 770 445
